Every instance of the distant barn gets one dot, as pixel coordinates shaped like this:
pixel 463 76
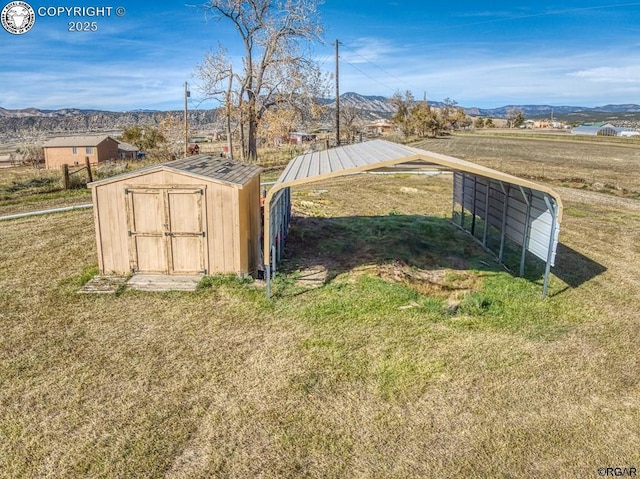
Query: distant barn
pixel 603 129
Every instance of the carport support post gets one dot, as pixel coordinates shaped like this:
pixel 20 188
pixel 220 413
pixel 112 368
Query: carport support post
pixel 473 208
pixel 503 232
pixel 456 175
pixel 268 279
pixel 547 270
pixel 462 210
pixel 486 214
pixel 273 260
pixel 527 227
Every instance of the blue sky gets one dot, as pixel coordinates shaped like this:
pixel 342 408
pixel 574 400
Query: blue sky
pixel 479 54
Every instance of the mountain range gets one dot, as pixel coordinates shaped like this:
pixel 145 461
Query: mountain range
pixel 382 106
pixel 369 108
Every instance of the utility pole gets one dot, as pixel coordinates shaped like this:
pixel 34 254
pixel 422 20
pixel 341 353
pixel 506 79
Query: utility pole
pixel 229 141
pixel 186 122
pixel 337 96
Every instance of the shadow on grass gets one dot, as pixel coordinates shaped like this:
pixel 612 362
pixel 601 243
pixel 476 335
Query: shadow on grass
pixel 340 244
pixel 574 268
pixel 393 244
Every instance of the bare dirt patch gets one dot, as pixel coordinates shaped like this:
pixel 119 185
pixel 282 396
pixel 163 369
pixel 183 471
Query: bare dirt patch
pixel 448 284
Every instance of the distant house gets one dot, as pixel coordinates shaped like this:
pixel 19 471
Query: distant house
pixel 379 127
pixel 127 151
pixel 299 137
pixel 74 150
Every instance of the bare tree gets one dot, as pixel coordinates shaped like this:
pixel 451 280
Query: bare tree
pixel 171 129
pixel 453 117
pixel 402 116
pixel 278 124
pixel 29 154
pixel 350 118
pixel 515 117
pixel 214 70
pixel 424 119
pixel 276 70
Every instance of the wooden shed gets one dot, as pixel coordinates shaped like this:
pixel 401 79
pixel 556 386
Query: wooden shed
pixel 195 215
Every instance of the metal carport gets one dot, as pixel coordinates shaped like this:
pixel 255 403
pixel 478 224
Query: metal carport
pixel 527 213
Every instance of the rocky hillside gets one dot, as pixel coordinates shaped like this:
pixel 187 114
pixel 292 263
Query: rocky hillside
pixel 373 107
pixel 370 106
pixel 31 120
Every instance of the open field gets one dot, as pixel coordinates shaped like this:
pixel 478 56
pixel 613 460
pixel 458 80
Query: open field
pixel 420 356
pixel 611 165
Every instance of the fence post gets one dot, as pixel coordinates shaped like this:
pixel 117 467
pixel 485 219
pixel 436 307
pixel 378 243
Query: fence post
pixel 88 164
pixel 65 176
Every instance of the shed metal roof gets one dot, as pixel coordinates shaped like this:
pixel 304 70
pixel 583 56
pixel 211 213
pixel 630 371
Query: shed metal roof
pixel 204 166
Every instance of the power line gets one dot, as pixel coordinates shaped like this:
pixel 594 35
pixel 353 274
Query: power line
pixel 369 76
pixel 413 87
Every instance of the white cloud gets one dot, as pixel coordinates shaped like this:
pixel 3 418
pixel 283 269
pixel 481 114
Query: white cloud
pixel 493 75
pixel 610 74
pixel 368 49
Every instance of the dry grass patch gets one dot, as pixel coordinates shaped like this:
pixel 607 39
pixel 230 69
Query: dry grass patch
pixel 336 381
pixel 605 166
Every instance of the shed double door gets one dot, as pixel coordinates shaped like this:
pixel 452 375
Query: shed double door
pixel 166 230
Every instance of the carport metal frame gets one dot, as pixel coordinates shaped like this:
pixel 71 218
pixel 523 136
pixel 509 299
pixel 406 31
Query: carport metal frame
pixel 378 154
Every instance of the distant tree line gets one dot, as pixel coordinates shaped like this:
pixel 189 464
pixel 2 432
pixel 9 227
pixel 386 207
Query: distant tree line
pixel 419 118
pixel 163 142
pixel 414 117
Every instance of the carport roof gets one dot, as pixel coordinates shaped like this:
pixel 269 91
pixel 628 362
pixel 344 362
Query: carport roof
pixel 382 154
pixel 535 215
